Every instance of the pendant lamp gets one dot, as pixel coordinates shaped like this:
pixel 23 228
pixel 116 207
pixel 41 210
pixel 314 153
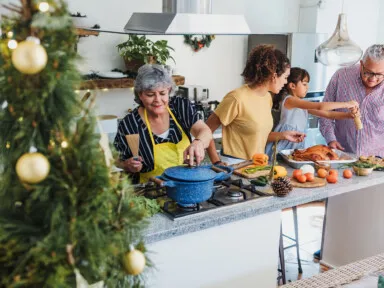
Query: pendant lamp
pixel 339 49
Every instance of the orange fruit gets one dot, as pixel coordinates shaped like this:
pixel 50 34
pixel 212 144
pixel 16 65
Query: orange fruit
pixel 296 173
pixel 322 173
pixel 310 177
pixel 332 178
pixel 302 178
pixel 333 172
pixel 347 173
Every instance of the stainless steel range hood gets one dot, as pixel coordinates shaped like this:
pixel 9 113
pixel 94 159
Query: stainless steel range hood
pixel 186 17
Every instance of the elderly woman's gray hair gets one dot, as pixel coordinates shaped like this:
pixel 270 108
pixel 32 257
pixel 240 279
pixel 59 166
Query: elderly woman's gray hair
pixel 150 77
pixel 375 53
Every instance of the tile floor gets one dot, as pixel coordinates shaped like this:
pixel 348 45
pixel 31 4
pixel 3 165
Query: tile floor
pixel 310 221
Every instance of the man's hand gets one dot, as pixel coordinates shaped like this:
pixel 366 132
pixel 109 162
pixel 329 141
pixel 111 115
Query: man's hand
pixel 335 145
pixel 294 136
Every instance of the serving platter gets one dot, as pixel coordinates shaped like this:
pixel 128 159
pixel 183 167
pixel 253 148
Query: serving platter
pixel 344 158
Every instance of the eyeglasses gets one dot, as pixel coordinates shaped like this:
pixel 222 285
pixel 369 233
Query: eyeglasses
pixel 368 74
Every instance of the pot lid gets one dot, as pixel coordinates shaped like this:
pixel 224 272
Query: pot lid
pixel 190 174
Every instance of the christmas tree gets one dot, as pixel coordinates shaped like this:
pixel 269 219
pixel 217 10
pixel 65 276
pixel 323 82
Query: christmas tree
pixel 65 220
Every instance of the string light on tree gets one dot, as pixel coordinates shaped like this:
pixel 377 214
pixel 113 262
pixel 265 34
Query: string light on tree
pixel 29 57
pixel 32 167
pixel 12 44
pixel 64 144
pixel 43 7
pixel 134 261
pixel 10 34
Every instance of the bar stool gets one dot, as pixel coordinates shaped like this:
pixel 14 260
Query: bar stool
pixel 282 248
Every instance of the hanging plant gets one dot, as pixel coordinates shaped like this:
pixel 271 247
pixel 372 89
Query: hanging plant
pixel 198 43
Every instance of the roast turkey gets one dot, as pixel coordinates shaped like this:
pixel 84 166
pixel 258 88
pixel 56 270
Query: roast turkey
pixel 314 153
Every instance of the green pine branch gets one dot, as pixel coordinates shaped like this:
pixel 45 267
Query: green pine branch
pixel 77 204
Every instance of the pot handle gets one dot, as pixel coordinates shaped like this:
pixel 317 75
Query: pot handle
pixel 161 182
pixel 223 172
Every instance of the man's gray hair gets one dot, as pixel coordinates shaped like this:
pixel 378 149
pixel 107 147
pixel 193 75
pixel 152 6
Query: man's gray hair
pixel 150 77
pixel 375 53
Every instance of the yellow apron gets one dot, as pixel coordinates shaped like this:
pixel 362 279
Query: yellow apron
pixel 165 154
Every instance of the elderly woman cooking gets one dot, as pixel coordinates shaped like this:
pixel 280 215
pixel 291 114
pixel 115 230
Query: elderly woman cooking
pixel 164 124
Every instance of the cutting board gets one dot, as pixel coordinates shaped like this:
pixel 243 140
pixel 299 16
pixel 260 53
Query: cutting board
pixel 317 182
pixel 240 172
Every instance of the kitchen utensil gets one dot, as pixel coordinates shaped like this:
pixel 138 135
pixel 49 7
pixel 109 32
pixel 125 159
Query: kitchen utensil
pixel 190 185
pixel 317 182
pixel 133 143
pixel 358 123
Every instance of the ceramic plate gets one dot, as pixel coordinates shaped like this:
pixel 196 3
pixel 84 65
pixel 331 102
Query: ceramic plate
pixel 111 74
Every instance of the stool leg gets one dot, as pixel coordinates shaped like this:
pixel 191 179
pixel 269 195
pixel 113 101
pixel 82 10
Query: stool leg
pixel 282 258
pixel 294 210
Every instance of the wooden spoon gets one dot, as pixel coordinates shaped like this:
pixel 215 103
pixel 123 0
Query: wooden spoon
pixel 133 143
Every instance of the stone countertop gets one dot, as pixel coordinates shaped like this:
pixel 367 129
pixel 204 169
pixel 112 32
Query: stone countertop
pixel 161 227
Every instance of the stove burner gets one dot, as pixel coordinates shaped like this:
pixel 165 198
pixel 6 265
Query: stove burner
pixel 234 194
pixel 192 207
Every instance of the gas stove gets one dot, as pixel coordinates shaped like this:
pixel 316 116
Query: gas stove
pixel 224 193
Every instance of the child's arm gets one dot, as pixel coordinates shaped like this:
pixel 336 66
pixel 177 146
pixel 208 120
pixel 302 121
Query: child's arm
pixel 336 115
pixel 294 102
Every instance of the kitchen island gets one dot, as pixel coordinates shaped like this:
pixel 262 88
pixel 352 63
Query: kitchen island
pixel 235 245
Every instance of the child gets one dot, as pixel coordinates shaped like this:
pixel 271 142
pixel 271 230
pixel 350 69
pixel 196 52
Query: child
pixel 294 110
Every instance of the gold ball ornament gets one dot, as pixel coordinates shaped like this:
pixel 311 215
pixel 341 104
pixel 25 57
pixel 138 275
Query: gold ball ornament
pixel 134 262
pixel 32 168
pixel 29 57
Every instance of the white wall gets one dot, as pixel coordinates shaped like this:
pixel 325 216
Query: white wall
pixel 218 67
pixel 380 34
pixel 362 17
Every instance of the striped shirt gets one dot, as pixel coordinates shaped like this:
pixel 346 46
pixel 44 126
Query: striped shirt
pixel 185 114
pixel 346 84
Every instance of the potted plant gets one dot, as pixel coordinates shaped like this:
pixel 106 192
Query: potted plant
pixel 138 50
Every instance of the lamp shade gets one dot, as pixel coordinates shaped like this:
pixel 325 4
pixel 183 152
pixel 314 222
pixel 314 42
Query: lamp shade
pixel 339 49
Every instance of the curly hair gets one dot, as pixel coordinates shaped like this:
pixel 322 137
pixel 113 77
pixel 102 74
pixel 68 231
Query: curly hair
pixel 263 61
pixel 296 75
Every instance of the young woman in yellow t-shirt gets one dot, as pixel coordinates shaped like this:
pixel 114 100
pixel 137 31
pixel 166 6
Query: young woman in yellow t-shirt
pixel 245 113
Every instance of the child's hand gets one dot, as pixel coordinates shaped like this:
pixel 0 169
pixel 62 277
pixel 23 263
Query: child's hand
pixel 352 104
pixel 294 136
pixel 354 112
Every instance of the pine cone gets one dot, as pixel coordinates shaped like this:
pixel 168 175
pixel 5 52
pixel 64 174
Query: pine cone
pixel 282 186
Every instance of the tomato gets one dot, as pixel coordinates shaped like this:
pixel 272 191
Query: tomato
pixel 332 178
pixel 310 177
pixel 302 178
pixel 347 173
pixel 322 173
pixel 334 172
pixel 296 173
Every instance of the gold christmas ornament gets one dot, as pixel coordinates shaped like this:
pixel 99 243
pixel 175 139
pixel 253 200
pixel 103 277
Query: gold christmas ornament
pixel 32 168
pixel 134 262
pixel 29 57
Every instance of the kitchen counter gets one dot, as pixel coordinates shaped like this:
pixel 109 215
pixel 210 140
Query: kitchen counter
pixel 161 227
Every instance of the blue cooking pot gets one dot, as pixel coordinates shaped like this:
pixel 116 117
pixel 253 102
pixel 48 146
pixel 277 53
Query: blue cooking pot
pixel 191 185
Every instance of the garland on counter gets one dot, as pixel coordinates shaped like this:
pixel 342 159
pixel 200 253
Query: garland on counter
pixel 198 43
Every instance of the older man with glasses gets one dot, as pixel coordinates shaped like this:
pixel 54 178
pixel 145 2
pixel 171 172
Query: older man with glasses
pixel 364 83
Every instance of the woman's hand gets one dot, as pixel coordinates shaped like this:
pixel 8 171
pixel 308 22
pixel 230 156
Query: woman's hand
pixel 133 164
pixel 293 136
pixel 194 153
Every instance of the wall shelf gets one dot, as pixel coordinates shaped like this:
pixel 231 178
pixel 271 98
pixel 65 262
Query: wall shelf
pixel 84 32
pixel 119 83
